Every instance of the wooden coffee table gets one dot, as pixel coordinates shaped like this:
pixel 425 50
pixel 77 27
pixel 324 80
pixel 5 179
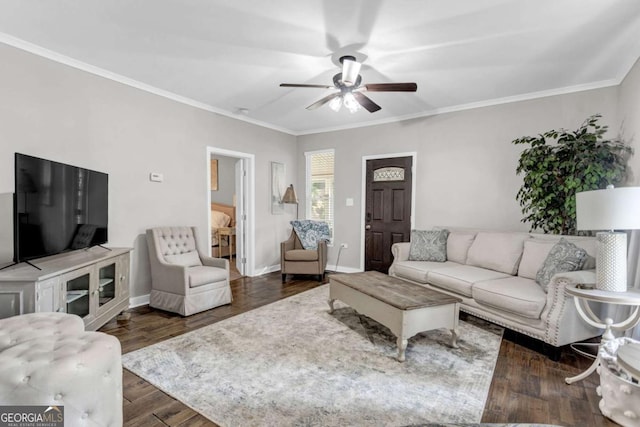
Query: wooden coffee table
pixel 405 308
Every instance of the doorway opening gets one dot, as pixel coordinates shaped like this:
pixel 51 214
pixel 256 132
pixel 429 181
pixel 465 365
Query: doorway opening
pixel 230 208
pixel 388 206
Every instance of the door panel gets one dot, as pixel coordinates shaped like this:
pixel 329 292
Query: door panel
pixel 378 205
pixel 398 205
pixel 388 209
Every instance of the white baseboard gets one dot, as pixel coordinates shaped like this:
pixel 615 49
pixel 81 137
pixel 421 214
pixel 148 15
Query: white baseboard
pixel 138 301
pixel 346 270
pixel 266 270
pixel 276 267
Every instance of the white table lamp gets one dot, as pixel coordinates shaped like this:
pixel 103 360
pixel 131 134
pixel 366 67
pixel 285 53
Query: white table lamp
pixel 610 209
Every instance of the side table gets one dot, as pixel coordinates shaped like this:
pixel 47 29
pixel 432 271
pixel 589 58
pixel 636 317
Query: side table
pixel 581 298
pixel 230 232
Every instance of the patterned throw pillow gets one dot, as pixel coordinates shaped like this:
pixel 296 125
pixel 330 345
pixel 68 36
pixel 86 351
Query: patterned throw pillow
pixel 428 245
pixel 564 256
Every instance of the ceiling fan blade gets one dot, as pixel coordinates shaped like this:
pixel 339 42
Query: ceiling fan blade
pixel 366 102
pixel 303 85
pixel 391 87
pixel 323 101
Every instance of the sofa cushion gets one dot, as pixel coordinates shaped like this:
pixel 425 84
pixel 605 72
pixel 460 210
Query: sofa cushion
pixel 301 255
pixel 428 245
pixel 461 278
pixel 187 259
pixel 202 275
pixel 458 244
pixel 533 256
pixel 418 270
pixel 497 251
pixel 517 295
pixel 564 256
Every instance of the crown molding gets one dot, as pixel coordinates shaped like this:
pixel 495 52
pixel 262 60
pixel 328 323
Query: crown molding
pixel 473 105
pixel 49 54
pixel 83 66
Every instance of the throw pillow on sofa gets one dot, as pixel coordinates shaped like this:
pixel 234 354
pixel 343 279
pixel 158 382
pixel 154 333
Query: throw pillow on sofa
pixel 428 245
pixel 564 256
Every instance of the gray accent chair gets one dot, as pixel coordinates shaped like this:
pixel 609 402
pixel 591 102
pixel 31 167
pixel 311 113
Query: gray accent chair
pixel 295 259
pixel 184 281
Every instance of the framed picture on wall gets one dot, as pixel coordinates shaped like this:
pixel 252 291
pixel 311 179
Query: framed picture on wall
pixel 214 175
pixel 277 188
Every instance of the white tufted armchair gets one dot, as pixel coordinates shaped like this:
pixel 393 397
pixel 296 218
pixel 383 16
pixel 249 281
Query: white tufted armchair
pixel 182 280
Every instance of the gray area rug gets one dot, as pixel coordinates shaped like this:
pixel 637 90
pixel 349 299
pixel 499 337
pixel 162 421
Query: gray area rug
pixel 293 363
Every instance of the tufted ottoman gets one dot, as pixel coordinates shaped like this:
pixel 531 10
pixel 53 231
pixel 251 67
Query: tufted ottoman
pixel 56 362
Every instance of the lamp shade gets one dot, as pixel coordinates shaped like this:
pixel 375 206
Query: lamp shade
pixel 609 209
pixel 290 195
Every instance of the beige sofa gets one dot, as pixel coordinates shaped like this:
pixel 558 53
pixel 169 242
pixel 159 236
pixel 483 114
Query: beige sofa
pixel 494 274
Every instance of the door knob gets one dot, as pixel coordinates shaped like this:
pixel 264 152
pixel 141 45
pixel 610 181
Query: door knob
pixel 367 227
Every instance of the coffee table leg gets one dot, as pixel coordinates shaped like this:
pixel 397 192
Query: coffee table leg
pixel 331 301
pixel 402 346
pixel 454 338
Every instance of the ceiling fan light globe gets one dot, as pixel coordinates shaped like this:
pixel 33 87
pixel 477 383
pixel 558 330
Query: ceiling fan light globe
pixel 336 103
pixel 351 103
pixel 350 71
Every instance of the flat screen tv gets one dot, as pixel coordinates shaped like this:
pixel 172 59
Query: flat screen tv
pixel 57 208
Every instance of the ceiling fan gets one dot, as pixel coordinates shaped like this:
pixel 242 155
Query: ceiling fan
pixel 349 90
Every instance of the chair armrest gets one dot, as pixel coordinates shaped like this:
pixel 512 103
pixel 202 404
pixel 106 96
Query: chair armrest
pixel 215 262
pixel 169 277
pixel 288 244
pixel 322 254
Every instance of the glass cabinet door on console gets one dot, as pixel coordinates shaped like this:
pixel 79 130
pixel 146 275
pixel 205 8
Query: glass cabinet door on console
pixel 107 282
pixel 77 285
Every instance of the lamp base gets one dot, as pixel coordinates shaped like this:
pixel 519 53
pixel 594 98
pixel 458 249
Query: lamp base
pixel 611 262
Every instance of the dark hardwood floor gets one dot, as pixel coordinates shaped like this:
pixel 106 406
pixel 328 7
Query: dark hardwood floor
pixel 526 386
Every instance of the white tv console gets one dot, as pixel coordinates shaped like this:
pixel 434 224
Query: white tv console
pixel 92 283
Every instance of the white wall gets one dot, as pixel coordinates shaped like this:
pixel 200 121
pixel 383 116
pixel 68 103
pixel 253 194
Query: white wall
pixel 629 117
pixel 465 168
pixel 57 112
pixel 226 180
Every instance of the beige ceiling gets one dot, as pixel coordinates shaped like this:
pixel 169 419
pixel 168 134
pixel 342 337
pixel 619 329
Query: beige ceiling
pixel 227 56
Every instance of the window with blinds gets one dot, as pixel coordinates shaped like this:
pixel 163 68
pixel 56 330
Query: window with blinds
pixel 320 185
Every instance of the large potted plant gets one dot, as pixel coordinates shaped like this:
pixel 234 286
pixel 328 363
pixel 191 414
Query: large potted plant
pixel 560 163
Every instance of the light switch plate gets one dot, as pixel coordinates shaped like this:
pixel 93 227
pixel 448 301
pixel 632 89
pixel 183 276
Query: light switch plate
pixel 349 201
pixel 156 177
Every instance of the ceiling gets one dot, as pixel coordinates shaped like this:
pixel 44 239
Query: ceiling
pixel 230 56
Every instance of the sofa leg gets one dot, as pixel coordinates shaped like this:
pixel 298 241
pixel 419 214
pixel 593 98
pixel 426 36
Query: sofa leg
pixel 552 352
pixel 284 278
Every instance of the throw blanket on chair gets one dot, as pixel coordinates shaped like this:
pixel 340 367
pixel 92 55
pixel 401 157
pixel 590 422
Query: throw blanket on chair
pixel 311 232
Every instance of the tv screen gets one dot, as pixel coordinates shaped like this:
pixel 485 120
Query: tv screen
pixel 57 208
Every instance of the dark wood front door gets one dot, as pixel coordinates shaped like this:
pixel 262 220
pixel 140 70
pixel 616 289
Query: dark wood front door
pixel 388 209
